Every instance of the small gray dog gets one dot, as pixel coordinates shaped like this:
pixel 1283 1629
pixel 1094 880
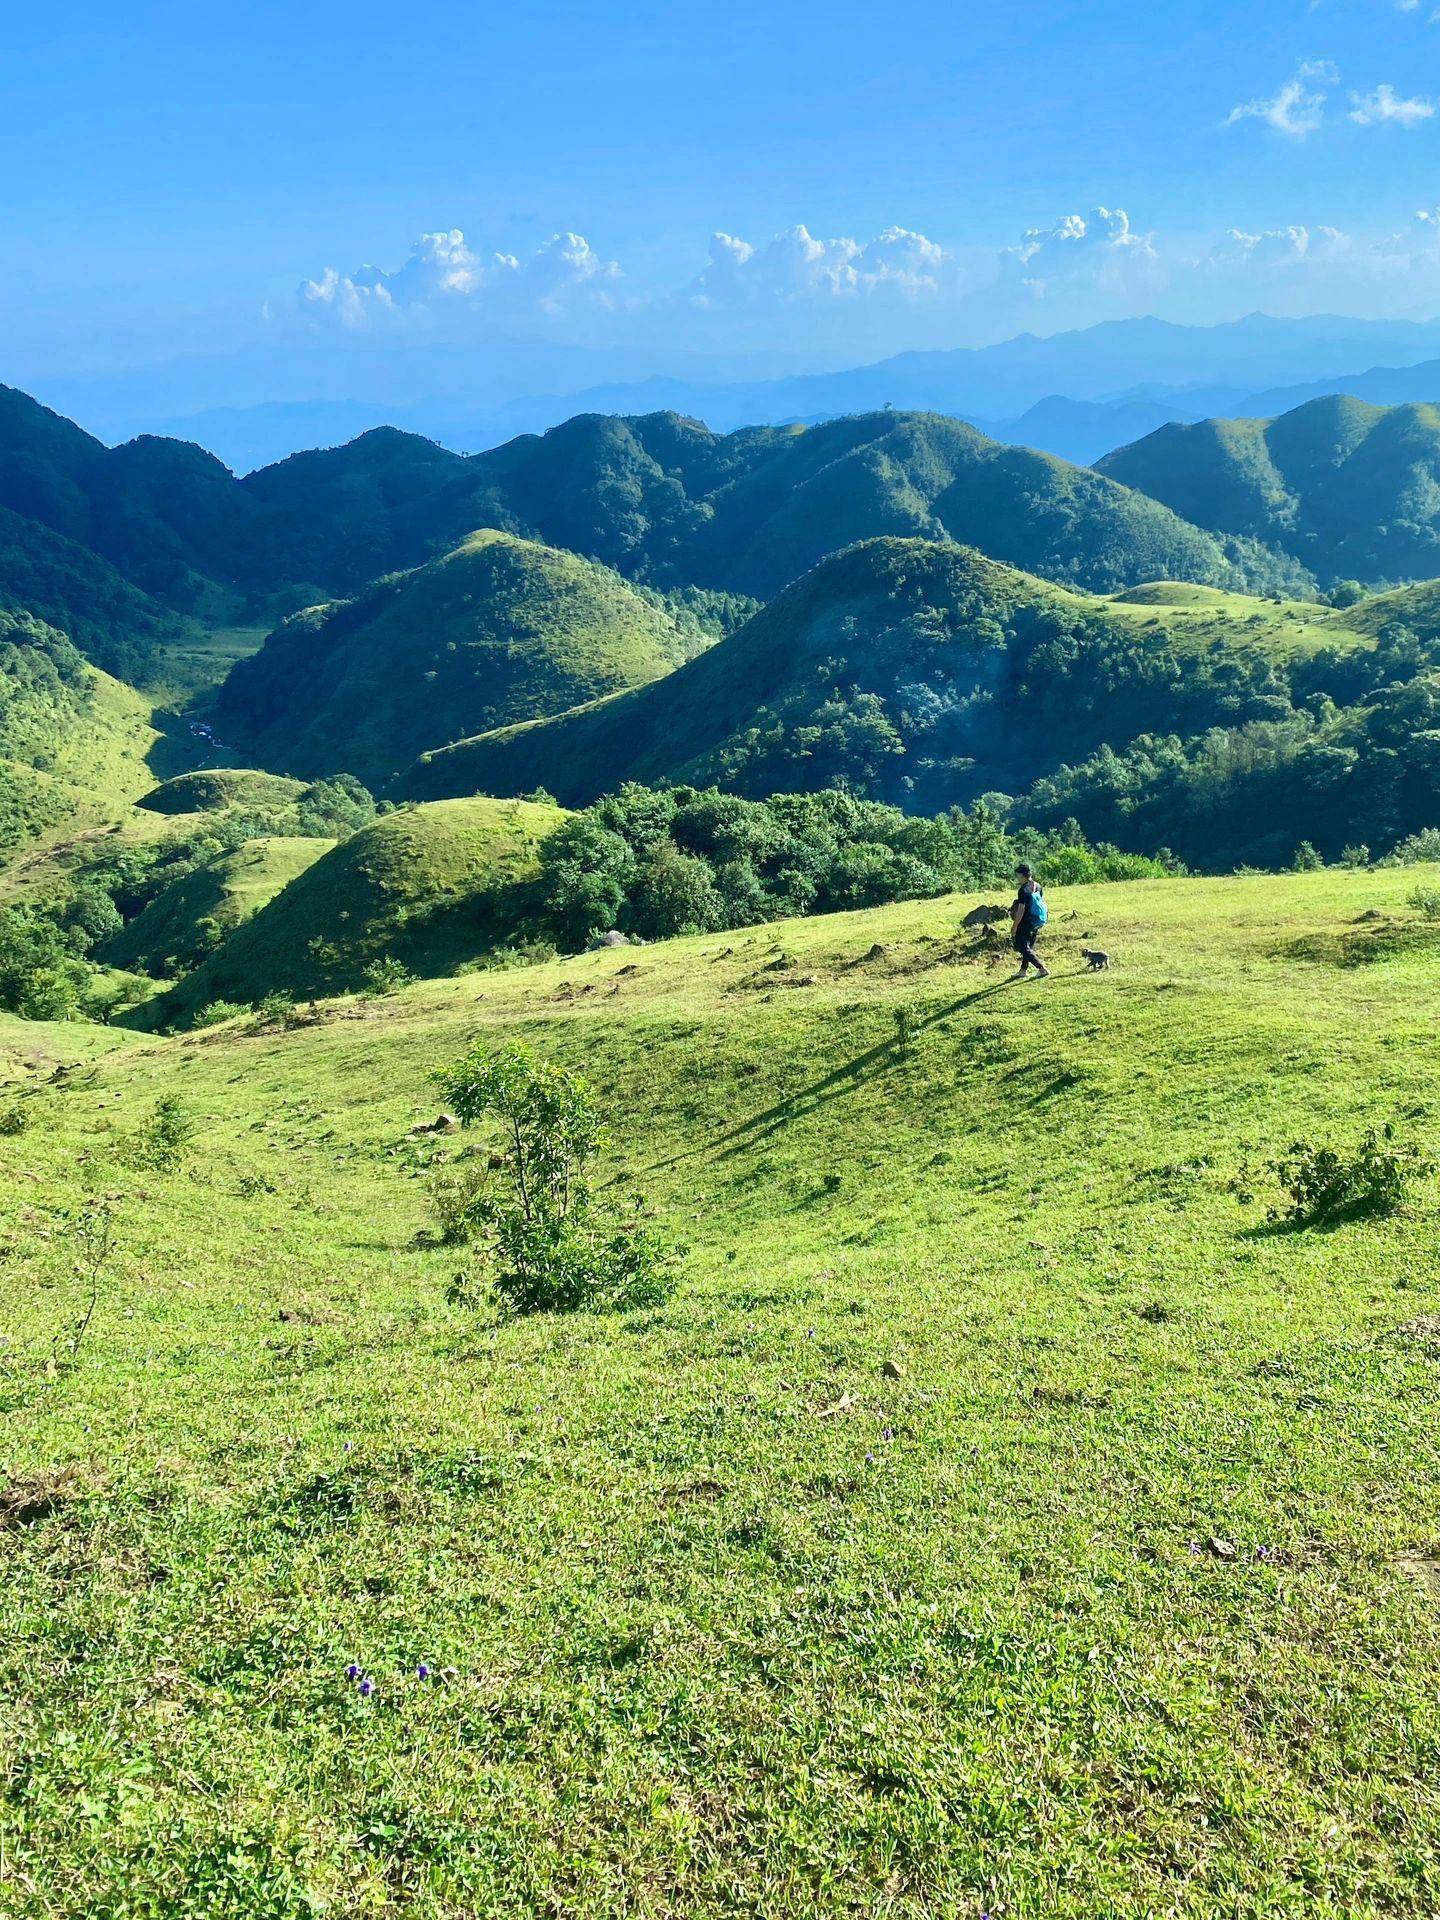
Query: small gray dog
pixel 1097 958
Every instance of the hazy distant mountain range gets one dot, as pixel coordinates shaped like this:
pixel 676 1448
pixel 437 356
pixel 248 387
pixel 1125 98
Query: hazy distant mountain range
pixel 1078 394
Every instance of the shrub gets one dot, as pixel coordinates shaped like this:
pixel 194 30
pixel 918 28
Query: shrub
pixel 1425 901
pixel 1418 848
pixel 1355 856
pixel 13 1120
pixel 214 1011
pixel 386 975
pixel 455 1197
pixel 1306 860
pixel 276 1006
pixel 548 1243
pixel 165 1138
pixel 1324 1184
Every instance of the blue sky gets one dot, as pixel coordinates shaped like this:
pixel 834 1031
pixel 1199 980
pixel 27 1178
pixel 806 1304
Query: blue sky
pixel 174 174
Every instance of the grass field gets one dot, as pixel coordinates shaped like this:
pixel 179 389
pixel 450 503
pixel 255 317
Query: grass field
pixel 1200 617
pixel 1002 1516
pixel 194 667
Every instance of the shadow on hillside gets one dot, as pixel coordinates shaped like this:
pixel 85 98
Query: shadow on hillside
pixel 178 750
pixel 798 1106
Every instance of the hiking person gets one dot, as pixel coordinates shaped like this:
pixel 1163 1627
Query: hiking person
pixel 1028 914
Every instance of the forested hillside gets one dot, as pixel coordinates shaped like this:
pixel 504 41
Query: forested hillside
pixel 926 674
pixel 658 497
pixel 1349 490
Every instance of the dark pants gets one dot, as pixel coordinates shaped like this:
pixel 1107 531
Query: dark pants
pixel 1023 941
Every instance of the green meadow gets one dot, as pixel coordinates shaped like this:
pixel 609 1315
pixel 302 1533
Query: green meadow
pixel 1004 1515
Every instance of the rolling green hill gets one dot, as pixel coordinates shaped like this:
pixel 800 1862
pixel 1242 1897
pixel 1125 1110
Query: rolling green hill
pixel 912 671
pixel 201 910
pixel 664 499
pixel 117 626
pixel 73 743
pixel 1003 1515
pixel 432 887
pixel 212 789
pixel 658 497
pixel 1348 489
pixel 498 630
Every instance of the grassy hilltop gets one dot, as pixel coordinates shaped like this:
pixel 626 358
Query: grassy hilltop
pixel 1001 1517
pixel 1346 488
pixel 431 887
pixel 917 671
pixel 498 630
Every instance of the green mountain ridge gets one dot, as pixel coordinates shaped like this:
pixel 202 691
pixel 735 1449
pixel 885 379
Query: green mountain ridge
pixel 656 496
pixel 664 499
pixel 911 670
pixel 1348 489
pixel 501 629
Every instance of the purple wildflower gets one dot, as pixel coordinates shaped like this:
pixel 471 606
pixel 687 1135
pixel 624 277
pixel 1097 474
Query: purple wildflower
pixel 888 1434
pixel 870 1459
pixel 422 1672
pixel 352 1672
pixel 367 1687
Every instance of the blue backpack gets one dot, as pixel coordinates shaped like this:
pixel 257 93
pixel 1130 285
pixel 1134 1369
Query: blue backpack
pixel 1039 912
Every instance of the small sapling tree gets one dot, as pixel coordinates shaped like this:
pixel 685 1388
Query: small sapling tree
pixel 548 1242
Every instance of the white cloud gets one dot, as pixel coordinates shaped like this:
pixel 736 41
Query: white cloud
pixel 1277 247
pixel 1100 250
pixel 1384 104
pixel 794 267
pixel 443 275
pixel 1298 108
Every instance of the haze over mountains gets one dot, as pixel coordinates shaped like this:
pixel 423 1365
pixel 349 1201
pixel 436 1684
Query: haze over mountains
pixel 1078 394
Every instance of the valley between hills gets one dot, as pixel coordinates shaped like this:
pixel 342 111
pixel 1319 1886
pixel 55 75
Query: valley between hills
pixel 572 1339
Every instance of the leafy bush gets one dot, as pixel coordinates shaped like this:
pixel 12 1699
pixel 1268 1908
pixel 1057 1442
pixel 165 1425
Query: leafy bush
pixel 13 1120
pixel 40 976
pixel 214 1011
pixel 683 860
pixel 1418 849
pixel 1425 901
pixel 549 1244
pixel 1324 1184
pixel 386 975
pixel 165 1138
pixel 455 1195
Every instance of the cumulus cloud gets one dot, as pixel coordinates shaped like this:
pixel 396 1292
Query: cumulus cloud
pixel 1384 104
pixel 1100 249
pixel 1297 108
pixel 796 267
pixel 1277 247
pixel 443 276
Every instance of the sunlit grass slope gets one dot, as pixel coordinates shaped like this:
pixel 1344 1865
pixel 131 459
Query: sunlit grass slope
pixel 225 892
pixel 209 789
pixel 1002 1516
pixel 91 768
pixel 432 887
